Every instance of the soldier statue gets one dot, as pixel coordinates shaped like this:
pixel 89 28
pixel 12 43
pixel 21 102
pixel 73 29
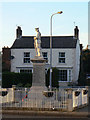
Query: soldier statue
pixel 37 42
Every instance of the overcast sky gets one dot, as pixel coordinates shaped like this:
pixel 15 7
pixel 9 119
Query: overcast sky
pixel 30 15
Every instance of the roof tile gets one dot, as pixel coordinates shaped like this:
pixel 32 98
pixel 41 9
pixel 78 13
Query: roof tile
pixel 57 42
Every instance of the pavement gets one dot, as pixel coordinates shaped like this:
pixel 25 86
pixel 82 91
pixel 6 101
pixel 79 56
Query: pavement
pixel 82 112
pixel 22 114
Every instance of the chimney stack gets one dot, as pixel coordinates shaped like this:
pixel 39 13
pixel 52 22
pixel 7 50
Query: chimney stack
pixel 18 32
pixel 76 32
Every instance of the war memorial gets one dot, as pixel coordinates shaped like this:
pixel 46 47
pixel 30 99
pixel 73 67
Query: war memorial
pixel 39 96
pixel 38 90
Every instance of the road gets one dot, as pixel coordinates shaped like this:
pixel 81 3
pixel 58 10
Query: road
pixel 24 117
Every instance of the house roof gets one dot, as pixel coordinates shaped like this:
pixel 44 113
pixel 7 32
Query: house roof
pixel 57 42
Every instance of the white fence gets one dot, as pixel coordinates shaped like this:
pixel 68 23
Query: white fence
pixel 57 101
pixel 62 99
pixel 6 95
pixel 80 97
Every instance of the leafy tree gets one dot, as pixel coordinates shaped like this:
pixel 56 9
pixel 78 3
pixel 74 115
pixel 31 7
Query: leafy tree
pixel 84 67
pixel 86 61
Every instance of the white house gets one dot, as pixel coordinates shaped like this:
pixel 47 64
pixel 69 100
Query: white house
pixel 65 54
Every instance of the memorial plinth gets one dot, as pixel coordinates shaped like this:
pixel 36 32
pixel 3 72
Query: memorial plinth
pixel 38 71
pixel 38 80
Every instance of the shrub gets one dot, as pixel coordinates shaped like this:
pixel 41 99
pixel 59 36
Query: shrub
pixel 55 77
pixel 28 85
pixel 9 79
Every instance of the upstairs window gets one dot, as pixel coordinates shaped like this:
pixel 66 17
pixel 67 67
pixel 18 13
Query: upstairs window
pixel 61 57
pixel 45 56
pixel 26 57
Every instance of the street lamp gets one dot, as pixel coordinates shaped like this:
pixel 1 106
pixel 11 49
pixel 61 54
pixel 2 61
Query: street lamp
pixel 51 47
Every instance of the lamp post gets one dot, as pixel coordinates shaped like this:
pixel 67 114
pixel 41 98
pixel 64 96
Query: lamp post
pixel 51 47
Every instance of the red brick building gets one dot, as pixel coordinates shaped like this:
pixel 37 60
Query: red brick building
pixel 6 55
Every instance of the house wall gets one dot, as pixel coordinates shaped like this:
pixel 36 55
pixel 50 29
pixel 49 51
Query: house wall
pixel 71 60
pixel 69 54
pixel 77 60
pixel 18 58
pixel 70 63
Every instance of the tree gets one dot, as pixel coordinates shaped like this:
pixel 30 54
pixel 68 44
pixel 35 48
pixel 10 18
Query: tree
pixel 84 67
pixel 86 60
pixel 55 77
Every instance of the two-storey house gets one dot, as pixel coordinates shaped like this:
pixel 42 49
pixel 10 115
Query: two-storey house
pixel 65 55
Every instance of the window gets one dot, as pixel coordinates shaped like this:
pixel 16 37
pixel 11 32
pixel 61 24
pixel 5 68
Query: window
pixel 45 56
pixel 25 71
pixel 61 57
pixel 69 75
pixel 62 75
pixel 46 70
pixel 26 57
pixel 65 75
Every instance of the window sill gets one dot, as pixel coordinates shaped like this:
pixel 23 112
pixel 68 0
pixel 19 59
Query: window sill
pixel 62 64
pixel 65 81
pixel 26 63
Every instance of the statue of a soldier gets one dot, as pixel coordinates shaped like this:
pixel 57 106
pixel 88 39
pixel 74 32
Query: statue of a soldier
pixel 37 42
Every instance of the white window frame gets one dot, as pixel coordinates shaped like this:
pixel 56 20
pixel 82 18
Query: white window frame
pixel 66 72
pixel 60 57
pixel 69 75
pixel 45 57
pixel 26 57
pixel 26 71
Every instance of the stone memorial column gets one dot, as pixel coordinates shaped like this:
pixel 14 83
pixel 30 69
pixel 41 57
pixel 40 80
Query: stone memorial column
pixel 38 80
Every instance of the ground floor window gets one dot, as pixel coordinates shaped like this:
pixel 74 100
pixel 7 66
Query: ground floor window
pixel 25 71
pixel 65 75
pixel 69 75
pixel 62 75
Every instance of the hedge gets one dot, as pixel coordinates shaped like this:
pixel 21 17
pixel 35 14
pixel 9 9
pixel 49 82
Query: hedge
pixel 25 79
pixel 9 79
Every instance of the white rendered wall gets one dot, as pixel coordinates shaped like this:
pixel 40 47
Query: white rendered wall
pixel 18 60
pixel 77 59
pixel 19 55
pixel 71 59
pixel 69 55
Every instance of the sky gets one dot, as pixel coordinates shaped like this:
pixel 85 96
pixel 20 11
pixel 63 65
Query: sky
pixel 30 15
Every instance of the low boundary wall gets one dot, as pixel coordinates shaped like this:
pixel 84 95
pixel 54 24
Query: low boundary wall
pixel 65 99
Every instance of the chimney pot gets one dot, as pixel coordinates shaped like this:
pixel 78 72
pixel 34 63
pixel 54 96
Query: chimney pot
pixel 76 32
pixel 18 32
